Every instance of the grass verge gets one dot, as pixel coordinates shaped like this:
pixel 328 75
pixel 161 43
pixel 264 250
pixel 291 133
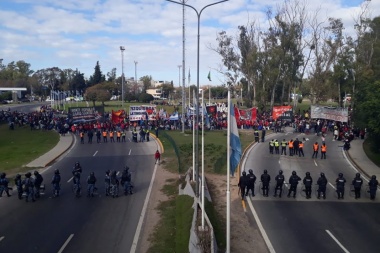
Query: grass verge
pixel 173 230
pixel 20 146
pixel 368 149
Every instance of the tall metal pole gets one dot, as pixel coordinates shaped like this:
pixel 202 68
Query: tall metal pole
pixel 183 68
pixel 197 92
pixel 203 162
pixel 179 75
pixel 122 48
pixel 135 71
pixel 228 225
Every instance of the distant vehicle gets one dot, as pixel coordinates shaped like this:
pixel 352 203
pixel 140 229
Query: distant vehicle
pixel 49 100
pixel 78 99
pixel 297 96
pixel 69 99
pixel 114 97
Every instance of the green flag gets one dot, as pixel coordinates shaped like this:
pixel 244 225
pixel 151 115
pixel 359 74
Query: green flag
pixel 209 76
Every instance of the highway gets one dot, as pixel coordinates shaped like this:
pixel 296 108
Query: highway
pixel 70 224
pixel 312 225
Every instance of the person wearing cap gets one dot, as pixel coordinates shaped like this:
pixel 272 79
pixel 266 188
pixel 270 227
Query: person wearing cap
pixel 373 183
pixel 357 183
pixel 243 180
pixel 279 183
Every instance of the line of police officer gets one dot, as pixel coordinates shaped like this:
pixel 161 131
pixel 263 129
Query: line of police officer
pixel 247 183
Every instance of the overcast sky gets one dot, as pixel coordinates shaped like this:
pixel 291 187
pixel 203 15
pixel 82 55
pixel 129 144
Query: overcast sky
pixel 77 33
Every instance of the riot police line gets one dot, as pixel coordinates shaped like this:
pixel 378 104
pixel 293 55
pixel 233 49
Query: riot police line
pixel 247 185
pixel 31 187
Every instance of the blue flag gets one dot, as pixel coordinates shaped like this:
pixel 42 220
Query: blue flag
pixel 235 148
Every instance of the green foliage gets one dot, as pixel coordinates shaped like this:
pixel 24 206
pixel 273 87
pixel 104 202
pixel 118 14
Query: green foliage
pixel 145 98
pixel 97 77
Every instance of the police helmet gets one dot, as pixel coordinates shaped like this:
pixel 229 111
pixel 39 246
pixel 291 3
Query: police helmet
pixel 56 171
pixel 92 173
pixel 244 173
pixel 340 174
pixel 357 174
pixel 307 173
pixel 294 173
pixel 373 177
pixel 322 174
pixel 250 171
pixel 280 172
pixel 108 172
pixel 18 176
pixel 28 174
pixel 265 171
pixel 126 168
pixel 35 173
pixel 3 175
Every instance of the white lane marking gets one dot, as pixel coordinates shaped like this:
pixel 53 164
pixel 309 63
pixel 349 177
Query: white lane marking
pixel 2 238
pixel 65 244
pixel 95 153
pixel 70 179
pixel 129 139
pixel 315 162
pixel 130 152
pixel 261 228
pixel 117 173
pixel 143 211
pixel 352 166
pixel 332 186
pixel 337 242
pixel 279 161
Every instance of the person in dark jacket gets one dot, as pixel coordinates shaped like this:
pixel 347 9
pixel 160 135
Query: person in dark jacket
pixel 4 185
pixel 265 180
pixel 243 180
pixel 308 182
pixel 293 181
pixel 18 183
pixel 340 182
pixel 279 183
pixel 38 179
pixel 251 183
pixel 373 183
pixel 357 183
pixel 322 184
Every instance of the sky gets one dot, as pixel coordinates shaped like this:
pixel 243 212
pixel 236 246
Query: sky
pixel 76 34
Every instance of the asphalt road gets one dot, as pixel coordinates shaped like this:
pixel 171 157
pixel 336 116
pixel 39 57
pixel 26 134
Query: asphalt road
pixel 98 224
pixel 313 225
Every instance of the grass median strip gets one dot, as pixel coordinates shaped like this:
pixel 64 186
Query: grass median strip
pixel 20 146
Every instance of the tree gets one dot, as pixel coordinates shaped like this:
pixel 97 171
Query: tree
pixel 111 75
pixel 97 77
pixel 100 92
pixel 147 80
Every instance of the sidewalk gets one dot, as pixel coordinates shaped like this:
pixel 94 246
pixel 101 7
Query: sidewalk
pixel 360 160
pixel 62 146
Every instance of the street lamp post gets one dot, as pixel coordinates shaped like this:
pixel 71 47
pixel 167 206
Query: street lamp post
pixel 197 106
pixel 179 75
pixel 135 71
pixel 122 48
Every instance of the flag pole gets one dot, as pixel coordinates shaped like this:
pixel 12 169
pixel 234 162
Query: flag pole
pixel 228 197
pixel 203 164
pixel 193 136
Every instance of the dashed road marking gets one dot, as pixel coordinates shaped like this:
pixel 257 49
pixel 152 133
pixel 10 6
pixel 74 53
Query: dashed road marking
pixel 315 162
pixel 2 238
pixel 337 242
pixel 66 243
pixel 95 153
pixel 130 151
pixel 332 186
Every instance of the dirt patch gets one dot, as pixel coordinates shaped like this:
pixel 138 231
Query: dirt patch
pixel 152 216
pixel 244 232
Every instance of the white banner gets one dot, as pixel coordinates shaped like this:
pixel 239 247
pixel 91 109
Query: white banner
pixel 323 112
pixel 140 112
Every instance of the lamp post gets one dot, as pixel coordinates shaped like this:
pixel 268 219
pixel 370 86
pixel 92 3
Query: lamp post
pixel 122 48
pixel 135 71
pixel 197 106
pixel 179 75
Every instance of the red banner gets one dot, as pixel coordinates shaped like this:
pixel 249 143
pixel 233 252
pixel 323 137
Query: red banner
pixel 248 114
pixel 118 116
pixel 279 110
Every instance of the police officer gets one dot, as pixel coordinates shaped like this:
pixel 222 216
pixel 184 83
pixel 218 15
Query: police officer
pixel 147 134
pixel 279 183
pixel 300 148
pixel 265 180
pixel 107 182
pixel 291 147
pixel 340 182
pixel 126 181
pixel 77 168
pixel 251 183
pixel 271 146
pixel 293 181
pixel 18 183
pixel 114 185
pixel 4 185
pixel 323 151
pixel 322 184
pixel 357 183
pixel 256 134
pixel 373 183
pixel 98 139
pixel 91 180
pixel 296 146
pixel 38 179
pixel 263 131
pixel 243 180
pixel 29 187
pixel 277 147
pixel 90 134
pixel 308 182
pixel 283 147
pixel 56 180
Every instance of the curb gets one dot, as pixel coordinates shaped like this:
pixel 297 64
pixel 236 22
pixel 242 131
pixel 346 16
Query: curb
pixel 355 164
pixel 54 159
pixel 159 142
